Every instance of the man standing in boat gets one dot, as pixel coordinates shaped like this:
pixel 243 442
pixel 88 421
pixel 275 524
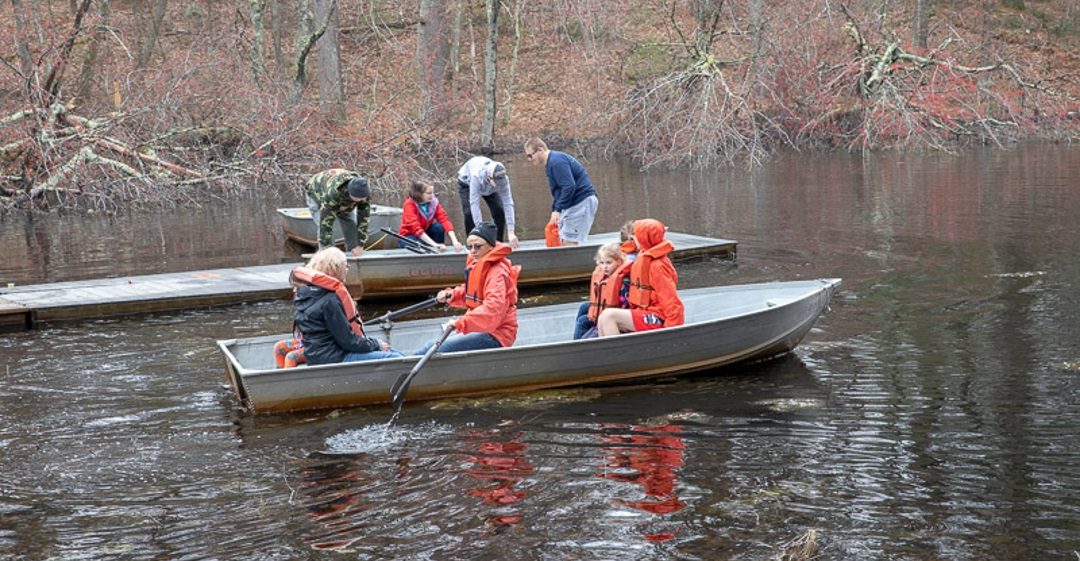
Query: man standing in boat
pixel 342 195
pixel 575 201
pixel 484 178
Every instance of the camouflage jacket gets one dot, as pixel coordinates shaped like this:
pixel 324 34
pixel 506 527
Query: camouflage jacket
pixel 328 189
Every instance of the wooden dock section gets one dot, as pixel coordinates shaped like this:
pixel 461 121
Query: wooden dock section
pixel 24 307
pixel 376 274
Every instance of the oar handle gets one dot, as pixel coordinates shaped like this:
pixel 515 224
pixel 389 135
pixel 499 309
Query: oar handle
pixel 397 391
pixel 390 316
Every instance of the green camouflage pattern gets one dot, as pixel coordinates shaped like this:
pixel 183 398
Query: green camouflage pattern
pixel 328 189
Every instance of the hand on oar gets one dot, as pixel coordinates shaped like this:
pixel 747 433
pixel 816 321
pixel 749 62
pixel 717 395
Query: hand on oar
pixel 397 391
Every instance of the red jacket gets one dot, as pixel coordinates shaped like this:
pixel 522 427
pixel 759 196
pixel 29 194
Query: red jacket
pixel 653 281
pixel 414 222
pixel 492 296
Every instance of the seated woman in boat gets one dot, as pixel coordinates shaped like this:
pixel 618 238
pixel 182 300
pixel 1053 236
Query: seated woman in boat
pixel 654 297
pixel 489 295
pixel 609 288
pixel 423 218
pixel 326 314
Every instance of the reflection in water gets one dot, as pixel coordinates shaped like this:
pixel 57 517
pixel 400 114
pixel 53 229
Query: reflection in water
pixel 649 457
pixel 330 492
pixel 500 466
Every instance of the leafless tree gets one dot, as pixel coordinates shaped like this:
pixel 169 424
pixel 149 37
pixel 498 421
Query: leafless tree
pixel 432 52
pixel 331 89
pixel 487 132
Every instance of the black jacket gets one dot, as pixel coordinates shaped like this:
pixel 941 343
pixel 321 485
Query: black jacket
pixel 327 338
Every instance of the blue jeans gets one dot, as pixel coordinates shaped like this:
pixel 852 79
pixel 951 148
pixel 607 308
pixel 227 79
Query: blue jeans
pixel 373 355
pixel 436 232
pixel 583 323
pixel 467 342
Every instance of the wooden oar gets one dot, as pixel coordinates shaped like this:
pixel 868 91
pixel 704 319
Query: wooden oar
pixel 390 316
pixel 410 244
pixel 397 391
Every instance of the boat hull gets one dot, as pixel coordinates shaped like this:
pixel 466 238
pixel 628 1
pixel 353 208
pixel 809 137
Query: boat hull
pixel 300 228
pixel 402 272
pixel 726 325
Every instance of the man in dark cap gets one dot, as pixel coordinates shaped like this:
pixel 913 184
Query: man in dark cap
pixel 343 195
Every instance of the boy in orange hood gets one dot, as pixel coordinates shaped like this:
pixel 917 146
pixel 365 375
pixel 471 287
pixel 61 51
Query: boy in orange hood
pixel 654 298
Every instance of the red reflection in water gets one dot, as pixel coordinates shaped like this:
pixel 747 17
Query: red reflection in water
pixel 329 490
pixel 650 457
pixel 504 465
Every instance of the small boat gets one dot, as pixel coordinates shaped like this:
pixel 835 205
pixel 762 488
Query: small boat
pixel 724 325
pixel 400 272
pixel 300 228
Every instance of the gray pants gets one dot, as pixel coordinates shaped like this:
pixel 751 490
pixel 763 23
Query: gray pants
pixel 346 223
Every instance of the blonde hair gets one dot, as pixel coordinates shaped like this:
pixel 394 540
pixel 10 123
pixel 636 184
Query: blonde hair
pixel 611 251
pixel 534 144
pixel 329 261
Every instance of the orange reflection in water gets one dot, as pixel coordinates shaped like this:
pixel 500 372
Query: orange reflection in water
pixel 502 465
pixel 649 457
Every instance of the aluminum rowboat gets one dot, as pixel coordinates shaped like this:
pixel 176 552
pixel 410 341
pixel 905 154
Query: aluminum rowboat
pixel 300 228
pixel 725 325
pixel 401 272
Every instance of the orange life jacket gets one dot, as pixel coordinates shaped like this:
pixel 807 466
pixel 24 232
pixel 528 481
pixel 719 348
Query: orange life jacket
pixel 551 234
pixel 628 247
pixel 604 292
pixel 641 290
pixel 476 273
pixel 321 280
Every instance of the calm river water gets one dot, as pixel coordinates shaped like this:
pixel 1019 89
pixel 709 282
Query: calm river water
pixel 933 413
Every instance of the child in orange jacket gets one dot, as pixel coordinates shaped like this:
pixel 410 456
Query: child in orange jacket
pixel 654 297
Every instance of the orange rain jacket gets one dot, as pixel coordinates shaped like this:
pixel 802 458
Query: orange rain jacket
pixel 653 281
pixel 490 296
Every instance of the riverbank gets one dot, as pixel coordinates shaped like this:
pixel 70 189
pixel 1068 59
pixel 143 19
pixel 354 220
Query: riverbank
pixel 196 110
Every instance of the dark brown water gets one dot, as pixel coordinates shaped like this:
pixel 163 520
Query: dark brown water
pixel 932 414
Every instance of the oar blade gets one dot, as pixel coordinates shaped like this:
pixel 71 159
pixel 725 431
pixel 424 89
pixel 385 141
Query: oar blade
pixel 401 385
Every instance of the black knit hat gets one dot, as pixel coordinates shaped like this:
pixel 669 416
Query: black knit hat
pixel 487 231
pixel 358 188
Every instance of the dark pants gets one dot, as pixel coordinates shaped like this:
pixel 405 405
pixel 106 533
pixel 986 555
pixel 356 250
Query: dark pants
pixel 583 324
pixel 494 204
pixel 436 232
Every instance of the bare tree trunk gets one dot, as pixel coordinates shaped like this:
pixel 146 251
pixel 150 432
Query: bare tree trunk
pixel 922 23
pixel 331 90
pixel 305 41
pixel 487 132
pixel 258 28
pixel 757 24
pixel 89 68
pixel 278 29
pixel 518 5
pixel 148 40
pixel 22 48
pixel 431 55
pixel 455 40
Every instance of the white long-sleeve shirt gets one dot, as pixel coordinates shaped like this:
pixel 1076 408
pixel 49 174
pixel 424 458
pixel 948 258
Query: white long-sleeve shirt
pixel 475 173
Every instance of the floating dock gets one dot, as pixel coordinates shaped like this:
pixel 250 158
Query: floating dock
pixel 376 274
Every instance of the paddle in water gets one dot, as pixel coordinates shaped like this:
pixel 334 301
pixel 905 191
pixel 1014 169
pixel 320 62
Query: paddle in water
pixel 397 392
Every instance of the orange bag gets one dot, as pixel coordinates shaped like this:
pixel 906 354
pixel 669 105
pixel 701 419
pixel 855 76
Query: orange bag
pixel 551 234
